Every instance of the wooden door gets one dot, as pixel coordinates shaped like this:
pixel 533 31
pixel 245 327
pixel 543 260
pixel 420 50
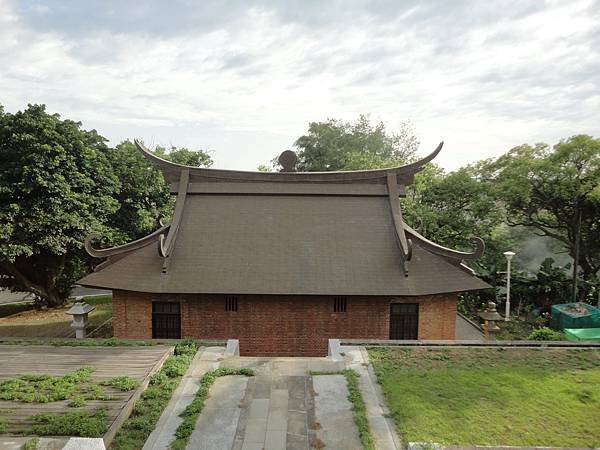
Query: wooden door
pixel 166 320
pixel 404 321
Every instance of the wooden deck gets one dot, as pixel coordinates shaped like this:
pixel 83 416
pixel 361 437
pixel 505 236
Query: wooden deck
pixel 109 362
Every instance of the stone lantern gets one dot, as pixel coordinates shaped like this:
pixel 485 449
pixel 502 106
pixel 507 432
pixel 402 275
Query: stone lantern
pixel 80 311
pixel 490 316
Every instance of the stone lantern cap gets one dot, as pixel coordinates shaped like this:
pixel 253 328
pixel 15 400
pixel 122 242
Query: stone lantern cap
pixel 80 308
pixel 490 314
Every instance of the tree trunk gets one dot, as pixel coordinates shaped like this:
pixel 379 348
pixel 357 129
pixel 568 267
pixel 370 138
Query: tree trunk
pixel 54 299
pixel 51 295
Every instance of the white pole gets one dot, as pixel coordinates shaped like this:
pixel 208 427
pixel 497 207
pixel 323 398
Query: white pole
pixel 507 311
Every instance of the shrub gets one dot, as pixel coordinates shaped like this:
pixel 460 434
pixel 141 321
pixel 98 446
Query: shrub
pixel 545 334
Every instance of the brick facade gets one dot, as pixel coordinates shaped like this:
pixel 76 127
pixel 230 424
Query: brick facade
pixel 132 315
pixel 282 325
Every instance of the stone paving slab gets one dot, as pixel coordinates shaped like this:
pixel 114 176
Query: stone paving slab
pixel 382 428
pixel 216 426
pixel 333 412
pixel 204 361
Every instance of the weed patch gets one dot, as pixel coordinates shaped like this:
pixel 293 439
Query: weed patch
pixel 153 401
pixel 77 423
pixel 2 425
pixel 122 383
pixel 31 444
pixel 191 413
pixel 33 388
pixel 359 410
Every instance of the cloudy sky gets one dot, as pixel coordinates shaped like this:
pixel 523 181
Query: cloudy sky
pixel 244 78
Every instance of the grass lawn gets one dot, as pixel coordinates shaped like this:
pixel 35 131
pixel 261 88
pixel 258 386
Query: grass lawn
pixel 546 397
pixel 53 323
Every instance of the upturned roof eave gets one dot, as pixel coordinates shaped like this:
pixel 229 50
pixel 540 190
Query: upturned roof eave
pixel 172 171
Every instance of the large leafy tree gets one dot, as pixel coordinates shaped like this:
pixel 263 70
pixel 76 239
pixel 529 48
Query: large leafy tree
pixel 56 186
pixel 452 207
pixel 339 145
pixel 59 183
pixel 144 196
pixel 555 191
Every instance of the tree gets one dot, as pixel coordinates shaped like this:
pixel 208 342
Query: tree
pixel 59 183
pixel 555 191
pixel 56 186
pixel 185 156
pixel 455 206
pixel 337 145
pixel 144 196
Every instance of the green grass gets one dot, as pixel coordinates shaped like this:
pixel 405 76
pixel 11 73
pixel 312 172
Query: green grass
pixel 191 413
pixel 2 425
pixel 96 300
pixel 546 397
pixel 359 410
pixel 77 423
pixel 147 410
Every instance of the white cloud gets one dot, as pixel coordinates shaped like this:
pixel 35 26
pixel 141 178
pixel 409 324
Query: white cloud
pixel 482 79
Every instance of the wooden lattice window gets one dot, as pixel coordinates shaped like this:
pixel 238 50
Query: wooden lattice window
pixel 340 304
pixel 404 321
pixel 231 303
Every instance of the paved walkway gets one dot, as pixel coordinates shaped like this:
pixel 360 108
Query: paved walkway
pixel 382 427
pixel 281 407
pixel 205 360
pixel 278 408
pixel 221 412
pixel 333 413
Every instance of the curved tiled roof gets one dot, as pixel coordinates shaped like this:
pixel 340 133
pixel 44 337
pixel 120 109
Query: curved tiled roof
pixel 329 233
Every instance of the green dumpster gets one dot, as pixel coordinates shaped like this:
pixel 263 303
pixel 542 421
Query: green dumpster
pixel 574 315
pixel 582 334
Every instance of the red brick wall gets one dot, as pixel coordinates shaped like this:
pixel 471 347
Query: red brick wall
pixel 132 315
pixel 282 325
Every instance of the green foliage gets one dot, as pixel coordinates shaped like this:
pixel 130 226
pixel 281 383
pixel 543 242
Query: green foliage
pixel 56 186
pixel 193 410
pixel 143 196
pixel 2 425
pixel 545 334
pixel 122 383
pixel 33 388
pixel 148 409
pixel 338 145
pixel 31 444
pixel 453 207
pixel 546 188
pixel 185 156
pixel 77 423
pixel 517 397
pixel 60 183
pixel 77 402
pixel 187 347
